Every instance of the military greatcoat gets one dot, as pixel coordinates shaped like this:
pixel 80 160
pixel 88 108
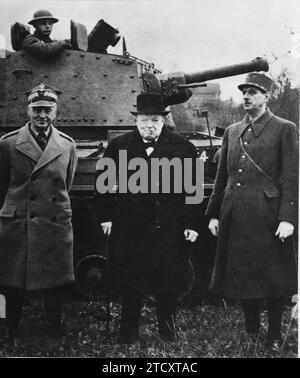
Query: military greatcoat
pixel 147 248
pixel 36 236
pixel 251 262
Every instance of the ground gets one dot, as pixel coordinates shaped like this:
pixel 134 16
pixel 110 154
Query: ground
pixel 205 328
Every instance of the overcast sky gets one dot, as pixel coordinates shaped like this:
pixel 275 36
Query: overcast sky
pixel 182 35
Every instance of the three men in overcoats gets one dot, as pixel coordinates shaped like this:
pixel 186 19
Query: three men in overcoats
pixel 37 166
pixel 149 232
pixel 253 210
pixel 40 44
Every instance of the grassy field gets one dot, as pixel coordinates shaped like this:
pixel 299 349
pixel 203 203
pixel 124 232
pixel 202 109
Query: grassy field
pixel 206 329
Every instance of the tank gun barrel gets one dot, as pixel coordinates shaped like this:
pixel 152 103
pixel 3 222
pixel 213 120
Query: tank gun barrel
pixel 174 86
pixel 257 64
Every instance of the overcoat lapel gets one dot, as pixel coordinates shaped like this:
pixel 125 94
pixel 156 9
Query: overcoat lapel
pixel 53 149
pixel 27 145
pixel 258 125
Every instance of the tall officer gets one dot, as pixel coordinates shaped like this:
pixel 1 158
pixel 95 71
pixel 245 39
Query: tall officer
pixel 37 166
pixel 253 210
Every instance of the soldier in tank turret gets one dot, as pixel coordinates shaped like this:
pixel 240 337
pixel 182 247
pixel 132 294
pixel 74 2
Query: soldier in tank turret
pixel 40 44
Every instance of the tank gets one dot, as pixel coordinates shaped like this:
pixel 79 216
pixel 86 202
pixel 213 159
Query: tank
pixel 99 90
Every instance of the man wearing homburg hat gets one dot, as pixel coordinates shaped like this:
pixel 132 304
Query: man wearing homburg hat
pixel 37 166
pixel 40 44
pixel 253 210
pixel 148 232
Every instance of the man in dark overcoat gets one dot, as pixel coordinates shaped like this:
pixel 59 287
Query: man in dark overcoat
pixel 40 44
pixel 149 232
pixel 253 210
pixel 37 166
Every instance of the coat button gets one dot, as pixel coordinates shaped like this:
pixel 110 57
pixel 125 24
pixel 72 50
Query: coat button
pixel 240 170
pixel 250 129
pixel 238 184
pixel 243 156
pixel 246 143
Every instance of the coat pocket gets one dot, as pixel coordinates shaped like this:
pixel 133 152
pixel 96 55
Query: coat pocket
pixel 64 216
pixel 272 192
pixel 8 211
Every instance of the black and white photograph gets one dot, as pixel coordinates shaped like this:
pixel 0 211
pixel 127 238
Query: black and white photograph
pixel 149 181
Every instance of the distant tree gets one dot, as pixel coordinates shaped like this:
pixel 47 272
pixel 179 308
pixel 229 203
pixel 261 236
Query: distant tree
pixel 284 100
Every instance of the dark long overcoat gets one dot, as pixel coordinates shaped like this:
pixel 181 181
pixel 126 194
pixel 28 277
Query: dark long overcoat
pixel 147 249
pixel 36 238
pixel 251 262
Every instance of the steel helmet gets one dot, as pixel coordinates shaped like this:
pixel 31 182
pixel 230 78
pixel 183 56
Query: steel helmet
pixel 42 15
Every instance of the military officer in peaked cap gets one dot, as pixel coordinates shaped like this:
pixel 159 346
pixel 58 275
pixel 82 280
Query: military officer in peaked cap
pixel 40 44
pixel 37 166
pixel 253 210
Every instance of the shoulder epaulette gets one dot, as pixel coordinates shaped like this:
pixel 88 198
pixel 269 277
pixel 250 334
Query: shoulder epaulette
pixel 9 134
pixel 66 136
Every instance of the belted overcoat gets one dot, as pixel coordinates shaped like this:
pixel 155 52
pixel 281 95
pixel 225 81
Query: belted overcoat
pixel 251 262
pixel 36 238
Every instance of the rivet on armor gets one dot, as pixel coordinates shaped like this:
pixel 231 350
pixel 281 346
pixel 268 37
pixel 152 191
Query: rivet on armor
pixel 121 120
pixel 133 90
pixel 85 119
pixel 82 55
pixel 15 98
pixel 75 75
pixel 104 120
pixel 131 76
pixel 174 90
pixel 113 59
pixel 124 61
pixel 93 119
pixel 73 97
pixel 58 119
pixel 68 53
pixel 65 120
pixel 164 94
pixel 105 75
pixel 46 76
pixel 118 60
pixel 174 82
pixel 97 57
pixel 134 105
pixel 103 97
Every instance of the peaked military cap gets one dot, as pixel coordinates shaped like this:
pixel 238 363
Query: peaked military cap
pixel 43 95
pixel 150 103
pixel 43 15
pixel 257 80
